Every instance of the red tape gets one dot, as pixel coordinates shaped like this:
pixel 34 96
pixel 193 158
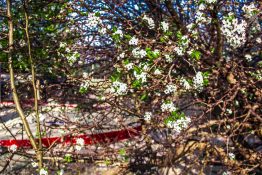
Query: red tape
pixel 106 137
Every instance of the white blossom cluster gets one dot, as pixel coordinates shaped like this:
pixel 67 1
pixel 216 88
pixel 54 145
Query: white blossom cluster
pixel 80 142
pixel 234 31
pixel 248 57
pixel 34 164
pixel 138 53
pixel 168 58
pixel 119 32
pixel 129 66
pixel 170 88
pixel 141 76
pixel 198 80
pixel 185 84
pixel 84 85
pixel 73 57
pixel 119 88
pixel 211 1
pixel 121 56
pixel 133 41
pixel 93 20
pixel 148 116
pixel 102 31
pixel 202 6
pixel 62 44
pixel 179 124
pixel 144 66
pixel 179 50
pixel 61 172
pixel 150 22
pixel 226 173
pixel 157 72
pixel 201 18
pixel 184 43
pixel 250 10
pixel 232 156
pixel 43 172
pixel 165 26
pixel 168 107
pixel 13 148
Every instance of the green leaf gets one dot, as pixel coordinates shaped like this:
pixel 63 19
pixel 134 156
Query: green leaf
pixel 162 39
pixel 196 54
pixel 83 90
pixel 128 37
pixel 68 158
pixel 97 14
pixel 122 152
pixel 114 29
pixel 179 35
pixel 205 82
pixel 136 84
pixel 126 61
pixel 144 96
pixel 137 69
pixel 116 76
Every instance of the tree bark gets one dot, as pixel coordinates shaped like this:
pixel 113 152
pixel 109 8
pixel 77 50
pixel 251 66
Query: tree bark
pixel 12 79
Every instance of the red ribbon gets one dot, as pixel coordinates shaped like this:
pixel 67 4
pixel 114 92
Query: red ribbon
pixel 106 137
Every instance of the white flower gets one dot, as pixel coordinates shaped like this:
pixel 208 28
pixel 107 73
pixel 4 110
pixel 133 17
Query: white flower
pixel 138 53
pixel 211 1
pixel 198 81
pixel 231 156
pixel 141 76
pixel 168 106
pixel 250 10
pixel 150 22
pixel 13 148
pixel 156 51
pixel 144 66
pixel 258 40
pixel 119 88
pixel 34 164
pixel 93 20
pixel 84 85
pixel 133 41
pixel 170 89
pixel 129 66
pixel 234 31
pixel 168 58
pixel 202 7
pixel 102 31
pixel 61 172
pixel 179 124
pixel 119 32
pixel 157 72
pixel 80 143
pixel 62 45
pixel 142 53
pixel 73 57
pixel 148 116
pixel 85 75
pixel 248 57
pixel 165 26
pixel 43 172
pixel 179 51
pixel 121 56
pixel 185 84
pixel 190 26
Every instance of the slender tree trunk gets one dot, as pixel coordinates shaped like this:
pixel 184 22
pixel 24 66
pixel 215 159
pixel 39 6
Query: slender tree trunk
pixel 35 86
pixel 12 80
